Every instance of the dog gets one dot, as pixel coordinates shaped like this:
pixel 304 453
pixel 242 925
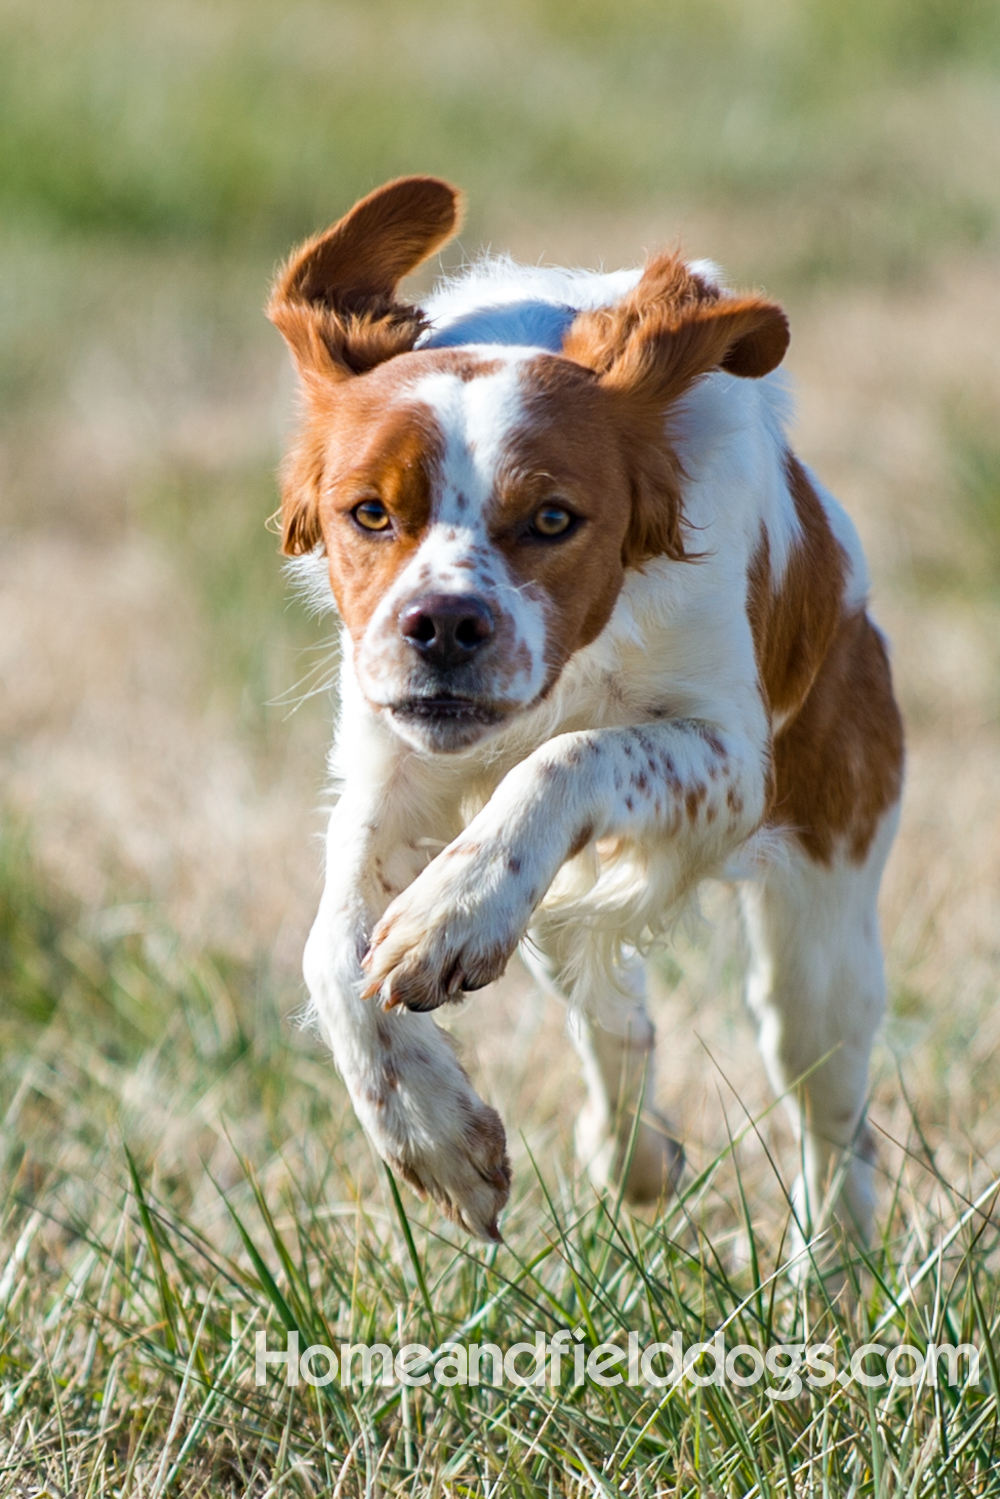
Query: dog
pixel 604 637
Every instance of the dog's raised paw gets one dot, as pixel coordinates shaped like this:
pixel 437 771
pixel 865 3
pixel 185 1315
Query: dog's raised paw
pixel 440 939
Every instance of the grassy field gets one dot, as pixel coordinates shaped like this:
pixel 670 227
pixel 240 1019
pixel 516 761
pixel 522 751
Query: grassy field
pixel 179 1167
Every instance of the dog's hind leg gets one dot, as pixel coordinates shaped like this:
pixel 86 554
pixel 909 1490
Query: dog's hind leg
pixel 620 1138
pixel 817 989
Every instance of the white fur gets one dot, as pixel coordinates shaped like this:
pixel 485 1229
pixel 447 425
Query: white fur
pixel 497 301
pixel 575 824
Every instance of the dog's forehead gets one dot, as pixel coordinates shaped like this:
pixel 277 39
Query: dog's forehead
pixel 478 411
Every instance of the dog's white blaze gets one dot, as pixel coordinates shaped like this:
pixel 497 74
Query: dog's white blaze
pixel 477 419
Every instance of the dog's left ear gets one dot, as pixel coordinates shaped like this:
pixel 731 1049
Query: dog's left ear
pixel 650 348
pixel 335 305
pixel 335 301
pixel 673 328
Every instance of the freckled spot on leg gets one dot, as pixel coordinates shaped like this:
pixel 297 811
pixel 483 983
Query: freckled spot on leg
pixel 734 801
pixel 710 815
pixel 514 865
pixel 691 803
pixel 715 744
pixel 383 1032
pixel 461 500
pixel 628 804
pixel 640 782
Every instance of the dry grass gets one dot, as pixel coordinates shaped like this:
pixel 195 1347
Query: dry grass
pixel 159 865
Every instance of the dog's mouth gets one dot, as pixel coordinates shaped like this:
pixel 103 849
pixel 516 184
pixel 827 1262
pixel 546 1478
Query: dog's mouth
pixel 444 709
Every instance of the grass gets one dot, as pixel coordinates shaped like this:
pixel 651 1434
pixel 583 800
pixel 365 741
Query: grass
pixel 179 1172
pixel 179 1166
pixel 977 470
pixel 245 123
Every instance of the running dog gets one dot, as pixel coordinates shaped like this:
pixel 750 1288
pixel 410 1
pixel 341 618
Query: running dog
pixel 604 637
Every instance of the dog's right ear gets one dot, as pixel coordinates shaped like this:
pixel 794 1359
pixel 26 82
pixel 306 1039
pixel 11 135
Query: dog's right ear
pixel 335 300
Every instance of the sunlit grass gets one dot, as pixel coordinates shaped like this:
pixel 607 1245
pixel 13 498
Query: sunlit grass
pixel 247 125
pixel 976 456
pixel 179 1172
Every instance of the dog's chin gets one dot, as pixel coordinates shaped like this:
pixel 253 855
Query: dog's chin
pixel 446 725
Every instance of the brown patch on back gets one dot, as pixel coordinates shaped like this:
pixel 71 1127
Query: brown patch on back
pixel 794 624
pixel 838 757
pixel 839 762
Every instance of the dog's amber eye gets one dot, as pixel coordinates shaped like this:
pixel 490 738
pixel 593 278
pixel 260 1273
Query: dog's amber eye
pixel 371 515
pixel 551 520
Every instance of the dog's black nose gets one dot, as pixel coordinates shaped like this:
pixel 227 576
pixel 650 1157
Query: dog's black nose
pixel 447 628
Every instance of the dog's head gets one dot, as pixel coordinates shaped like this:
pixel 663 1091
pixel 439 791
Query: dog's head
pixel 479 505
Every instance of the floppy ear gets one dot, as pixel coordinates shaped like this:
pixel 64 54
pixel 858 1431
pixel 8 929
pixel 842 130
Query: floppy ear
pixel 335 300
pixel 673 328
pixel 335 304
pixel 650 348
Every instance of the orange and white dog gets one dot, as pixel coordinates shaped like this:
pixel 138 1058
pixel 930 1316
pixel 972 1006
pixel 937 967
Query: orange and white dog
pixel 604 637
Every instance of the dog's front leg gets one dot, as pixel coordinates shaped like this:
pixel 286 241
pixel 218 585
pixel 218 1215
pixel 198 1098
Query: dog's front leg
pixel 692 790
pixel 407 1086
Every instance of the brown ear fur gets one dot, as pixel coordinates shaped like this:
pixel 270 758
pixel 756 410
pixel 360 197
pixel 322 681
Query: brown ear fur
pixel 335 305
pixel 301 476
pixel 650 348
pixel 673 328
pixel 655 527
pixel 335 300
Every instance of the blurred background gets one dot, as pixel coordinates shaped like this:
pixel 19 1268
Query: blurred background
pixel 164 710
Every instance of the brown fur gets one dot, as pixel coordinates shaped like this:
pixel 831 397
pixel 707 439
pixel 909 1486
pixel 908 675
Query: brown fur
pixel 793 625
pixel 647 350
pixel 335 300
pixel 838 758
pixel 839 763
pixel 673 328
pixel 356 420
